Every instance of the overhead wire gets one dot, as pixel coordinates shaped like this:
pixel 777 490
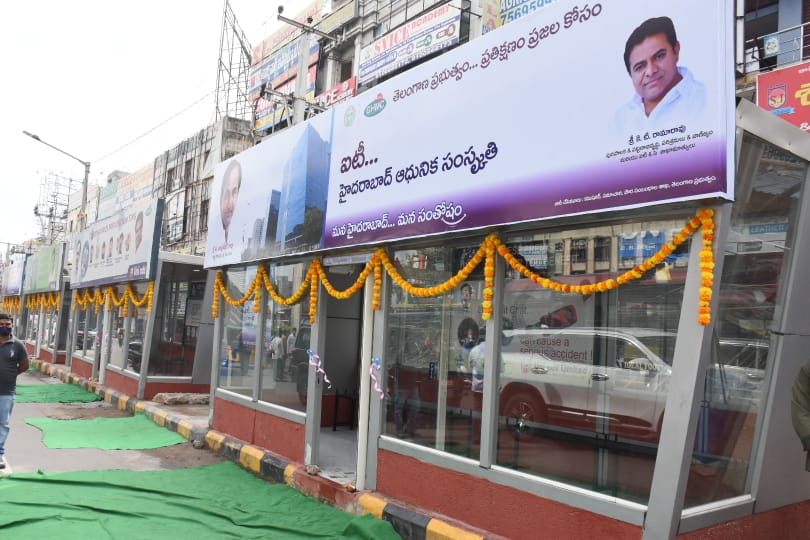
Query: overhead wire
pixel 139 137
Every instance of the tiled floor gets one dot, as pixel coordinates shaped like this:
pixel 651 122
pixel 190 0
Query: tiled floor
pixel 338 454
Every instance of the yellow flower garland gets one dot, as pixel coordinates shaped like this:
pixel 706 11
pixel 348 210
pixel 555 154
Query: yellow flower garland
pixel 491 245
pixel 109 296
pixel 12 305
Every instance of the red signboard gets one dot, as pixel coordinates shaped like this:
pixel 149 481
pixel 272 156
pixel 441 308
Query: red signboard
pixel 786 93
pixel 338 93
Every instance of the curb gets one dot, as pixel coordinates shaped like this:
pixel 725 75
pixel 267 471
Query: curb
pixel 409 522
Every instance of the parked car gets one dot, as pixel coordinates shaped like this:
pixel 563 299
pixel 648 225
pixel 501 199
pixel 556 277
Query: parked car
pixel 611 381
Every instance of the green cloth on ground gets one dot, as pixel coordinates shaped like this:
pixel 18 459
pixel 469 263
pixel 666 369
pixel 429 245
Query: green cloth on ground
pixel 132 433
pixel 219 501
pixel 54 393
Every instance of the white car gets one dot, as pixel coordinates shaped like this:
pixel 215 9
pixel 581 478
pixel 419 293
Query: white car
pixel 612 381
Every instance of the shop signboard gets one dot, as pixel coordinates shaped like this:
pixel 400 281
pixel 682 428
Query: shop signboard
pixel 270 199
pixel 534 120
pixel 271 44
pixel 118 249
pixel 497 13
pixel 338 93
pixel 43 270
pixel 13 274
pixel 338 17
pixel 271 112
pixel 786 93
pixel 280 68
pixel 432 31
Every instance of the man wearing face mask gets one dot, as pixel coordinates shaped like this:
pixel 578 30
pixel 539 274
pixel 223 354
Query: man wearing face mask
pixel 13 361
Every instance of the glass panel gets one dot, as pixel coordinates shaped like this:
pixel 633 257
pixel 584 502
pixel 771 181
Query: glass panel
pixel 118 354
pixel 78 341
pixel 174 350
pixel 238 363
pixel 137 320
pixel 32 326
pixel 583 379
pixel 769 187
pixel 50 328
pixel 90 331
pixel 433 356
pixel 284 356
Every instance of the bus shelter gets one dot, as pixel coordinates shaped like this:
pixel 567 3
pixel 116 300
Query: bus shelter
pixel 136 311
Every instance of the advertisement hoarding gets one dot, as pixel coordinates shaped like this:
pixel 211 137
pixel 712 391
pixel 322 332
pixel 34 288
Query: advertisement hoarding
pixel 270 200
pixel 13 274
pixel 131 189
pixel 118 249
pixel 786 93
pixel 432 31
pixel 429 152
pixel 287 33
pixel 43 270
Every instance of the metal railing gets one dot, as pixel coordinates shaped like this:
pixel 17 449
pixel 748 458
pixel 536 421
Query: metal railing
pixel 775 50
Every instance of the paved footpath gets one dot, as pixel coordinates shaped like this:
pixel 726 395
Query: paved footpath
pixel 26 453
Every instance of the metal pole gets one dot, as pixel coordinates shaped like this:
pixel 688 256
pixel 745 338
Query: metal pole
pixel 302 79
pixel 86 175
pixel 83 220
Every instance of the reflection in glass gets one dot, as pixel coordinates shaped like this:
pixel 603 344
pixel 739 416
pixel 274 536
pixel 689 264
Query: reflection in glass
pixel 769 185
pixel 433 397
pixel 583 380
pixel 238 348
pixel 284 358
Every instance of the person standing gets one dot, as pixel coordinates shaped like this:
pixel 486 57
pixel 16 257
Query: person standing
pixel 289 352
pixel 13 361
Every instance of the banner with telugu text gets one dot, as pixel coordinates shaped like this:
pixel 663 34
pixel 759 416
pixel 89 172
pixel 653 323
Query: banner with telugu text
pixel 534 120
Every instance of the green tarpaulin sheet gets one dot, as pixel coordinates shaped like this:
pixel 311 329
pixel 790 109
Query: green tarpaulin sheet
pixel 54 393
pixel 215 502
pixel 132 433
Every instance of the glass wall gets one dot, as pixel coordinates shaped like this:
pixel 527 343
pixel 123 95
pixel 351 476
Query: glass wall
pixel 584 378
pixel 284 357
pixel 238 371
pixel 87 332
pixel 432 353
pixel 32 325
pixel 282 360
pixel 769 187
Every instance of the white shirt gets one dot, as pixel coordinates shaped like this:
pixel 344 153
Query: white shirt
pixel 477 358
pixel 683 104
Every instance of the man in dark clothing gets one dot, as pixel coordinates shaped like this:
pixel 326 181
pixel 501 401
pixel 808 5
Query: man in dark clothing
pixel 13 361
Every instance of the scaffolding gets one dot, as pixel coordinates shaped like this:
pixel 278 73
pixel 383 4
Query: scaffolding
pixel 51 210
pixel 233 70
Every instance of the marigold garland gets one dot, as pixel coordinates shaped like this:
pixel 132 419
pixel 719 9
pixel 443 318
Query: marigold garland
pixel 316 275
pixel 98 297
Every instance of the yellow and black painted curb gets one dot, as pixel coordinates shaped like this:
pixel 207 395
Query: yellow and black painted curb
pixel 410 523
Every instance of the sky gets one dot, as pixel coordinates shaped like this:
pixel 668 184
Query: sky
pixel 89 77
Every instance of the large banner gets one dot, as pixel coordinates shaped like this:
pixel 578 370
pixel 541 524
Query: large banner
pixel 572 109
pixel 270 200
pixel 43 270
pixel 13 274
pixel 786 93
pixel 121 248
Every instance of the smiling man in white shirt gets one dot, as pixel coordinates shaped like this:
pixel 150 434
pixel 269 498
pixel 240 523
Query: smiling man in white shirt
pixel 666 95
